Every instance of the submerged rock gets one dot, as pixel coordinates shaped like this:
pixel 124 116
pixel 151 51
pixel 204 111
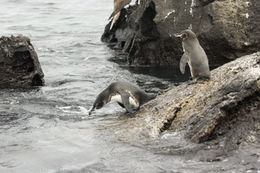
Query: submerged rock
pixel 19 64
pixel 225 29
pixel 226 107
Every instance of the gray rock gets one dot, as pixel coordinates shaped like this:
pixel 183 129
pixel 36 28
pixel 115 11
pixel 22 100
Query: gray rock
pixel 227 107
pixel 19 64
pixel 225 29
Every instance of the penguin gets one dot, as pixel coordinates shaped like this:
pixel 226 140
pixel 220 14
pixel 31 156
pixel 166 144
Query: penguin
pixel 118 6
pixel 125 94
pixel 194 55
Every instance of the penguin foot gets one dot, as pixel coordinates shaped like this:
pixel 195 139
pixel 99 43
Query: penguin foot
pixel 203 79
pixel 191 82
pixel 198 80
pixel 130 114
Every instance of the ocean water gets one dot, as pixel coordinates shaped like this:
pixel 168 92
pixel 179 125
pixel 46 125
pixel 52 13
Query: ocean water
pixel 46 129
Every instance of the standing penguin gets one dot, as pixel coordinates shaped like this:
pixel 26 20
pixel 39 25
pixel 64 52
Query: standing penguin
pixel 118 6
pixel 194 55
pixel 126 94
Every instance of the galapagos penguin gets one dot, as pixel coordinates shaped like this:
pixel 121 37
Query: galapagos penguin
pixel 125 94
pixel 194 55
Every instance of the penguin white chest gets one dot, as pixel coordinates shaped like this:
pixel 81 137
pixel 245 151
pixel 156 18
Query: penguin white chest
pixel 118 98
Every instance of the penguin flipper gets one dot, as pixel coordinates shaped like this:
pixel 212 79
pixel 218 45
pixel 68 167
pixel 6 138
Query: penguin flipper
pixel 125 99
pixel 184 60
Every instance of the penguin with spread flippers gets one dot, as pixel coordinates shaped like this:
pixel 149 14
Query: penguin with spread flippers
pixel 125 94
pixel 194 55
pixel 118 6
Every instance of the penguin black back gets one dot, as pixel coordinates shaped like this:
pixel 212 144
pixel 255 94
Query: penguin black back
pixel 126 94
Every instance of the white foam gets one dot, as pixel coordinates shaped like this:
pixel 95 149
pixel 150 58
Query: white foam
pixel 74 109
pixel 84 110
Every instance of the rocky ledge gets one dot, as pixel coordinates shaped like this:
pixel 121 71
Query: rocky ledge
pixel 226 30
pixel 227 108
pixel 19 64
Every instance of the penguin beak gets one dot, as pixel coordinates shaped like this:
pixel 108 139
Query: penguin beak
pixel 92 110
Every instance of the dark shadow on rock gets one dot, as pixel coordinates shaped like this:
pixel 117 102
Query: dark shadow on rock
pixel 136 33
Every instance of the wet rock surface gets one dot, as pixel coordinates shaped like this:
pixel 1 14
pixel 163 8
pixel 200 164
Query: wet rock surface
pixel 222 113
pixel 19 64
pixel 225 29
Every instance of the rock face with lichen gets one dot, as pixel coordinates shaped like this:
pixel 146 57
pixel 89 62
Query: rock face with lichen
pixel 227 107
pixel 19 64
pixel 226 29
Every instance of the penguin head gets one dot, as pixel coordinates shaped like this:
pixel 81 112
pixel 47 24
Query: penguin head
pixel 100 101
pixel 97 105
pixel 187 35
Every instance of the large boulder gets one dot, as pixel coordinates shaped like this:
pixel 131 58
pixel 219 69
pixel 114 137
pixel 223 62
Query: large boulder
pixel 19 64
pixel 227 106
pixel 226 29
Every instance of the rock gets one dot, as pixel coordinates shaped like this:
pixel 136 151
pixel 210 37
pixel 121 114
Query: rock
pixel 19 64
pixel 226 30
pixel 226 107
